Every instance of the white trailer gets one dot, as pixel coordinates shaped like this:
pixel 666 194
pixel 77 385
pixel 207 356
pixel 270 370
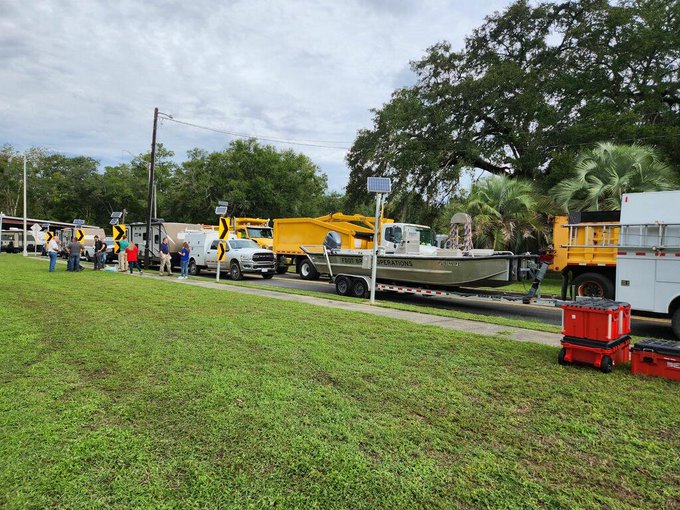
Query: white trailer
pixel 648 257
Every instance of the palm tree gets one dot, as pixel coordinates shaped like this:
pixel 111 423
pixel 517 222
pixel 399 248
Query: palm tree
pixel 504 213
pixel 603 174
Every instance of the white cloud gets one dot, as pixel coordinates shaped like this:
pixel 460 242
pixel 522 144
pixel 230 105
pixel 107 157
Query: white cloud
pixel 84 77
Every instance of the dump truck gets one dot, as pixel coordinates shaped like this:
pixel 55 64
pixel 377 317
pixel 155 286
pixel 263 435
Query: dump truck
pixel 585 246
pixel 257 229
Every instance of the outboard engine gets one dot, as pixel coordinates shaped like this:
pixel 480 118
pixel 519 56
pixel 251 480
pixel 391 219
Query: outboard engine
pixel 333 241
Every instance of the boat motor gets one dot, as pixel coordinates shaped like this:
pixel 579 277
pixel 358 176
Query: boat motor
pixel 333 241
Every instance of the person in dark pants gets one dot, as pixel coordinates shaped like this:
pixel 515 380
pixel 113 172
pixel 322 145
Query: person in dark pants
pixel 97 249
pixel 74 251
pixel 133 258
pixel 101 255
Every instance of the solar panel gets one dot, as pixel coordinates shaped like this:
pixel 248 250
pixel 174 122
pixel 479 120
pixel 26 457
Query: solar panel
pixel 114 221
pixel 379 185
pixel 116 215
pixel 78 223
pixel 221 210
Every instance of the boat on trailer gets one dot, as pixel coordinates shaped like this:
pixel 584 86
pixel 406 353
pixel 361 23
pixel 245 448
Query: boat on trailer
pixel 442 268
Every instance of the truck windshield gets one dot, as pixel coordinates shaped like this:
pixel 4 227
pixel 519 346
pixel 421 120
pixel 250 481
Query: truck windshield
pixel 260 232
pixel 237 244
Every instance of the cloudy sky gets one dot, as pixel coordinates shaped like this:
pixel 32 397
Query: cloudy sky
pixel 83 77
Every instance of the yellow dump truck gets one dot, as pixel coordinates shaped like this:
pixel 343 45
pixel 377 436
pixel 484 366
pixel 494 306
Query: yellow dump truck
pixel 355 230
pixel 585 246
pixel 257 229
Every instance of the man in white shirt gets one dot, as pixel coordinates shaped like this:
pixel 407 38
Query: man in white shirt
pixel 53 252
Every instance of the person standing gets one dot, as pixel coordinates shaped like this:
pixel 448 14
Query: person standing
pixel 53 252
pixel 122 255
pixel 95 255
pixel 184 261
pixel 166 258
pixel 74 251
pixel 132 252
pixel 102 254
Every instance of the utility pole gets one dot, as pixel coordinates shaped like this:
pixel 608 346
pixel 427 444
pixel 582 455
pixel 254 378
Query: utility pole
pixel 25 243
pixel 147 262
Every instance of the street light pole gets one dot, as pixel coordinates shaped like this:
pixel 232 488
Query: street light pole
pixel 25 243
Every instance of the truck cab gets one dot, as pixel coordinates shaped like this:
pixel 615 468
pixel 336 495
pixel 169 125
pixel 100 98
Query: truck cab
pixel 257 229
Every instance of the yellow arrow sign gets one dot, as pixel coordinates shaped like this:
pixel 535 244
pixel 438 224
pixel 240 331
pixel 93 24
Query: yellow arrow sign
pixel 118 232
pixel 80 235
pixel 224 228
pixel 116 247
pixel 49 236
pixel 221 251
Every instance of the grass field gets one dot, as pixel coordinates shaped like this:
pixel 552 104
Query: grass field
pixel 118 391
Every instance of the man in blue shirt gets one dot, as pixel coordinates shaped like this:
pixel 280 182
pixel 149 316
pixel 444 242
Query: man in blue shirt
pixel 166 258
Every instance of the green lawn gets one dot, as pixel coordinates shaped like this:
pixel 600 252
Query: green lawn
pixel 119 392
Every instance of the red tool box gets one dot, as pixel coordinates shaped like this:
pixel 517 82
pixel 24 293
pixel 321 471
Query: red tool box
pixel 596 319
pixel 602 355
pixel 659 358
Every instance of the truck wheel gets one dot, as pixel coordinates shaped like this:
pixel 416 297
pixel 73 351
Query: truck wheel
pixel 359 288
pixel 593 285
pixel 342 285
pixel 235 271
pixel 675 322
pixel 281 266
pixel 267 276
pixel 308 271
pixel 193 268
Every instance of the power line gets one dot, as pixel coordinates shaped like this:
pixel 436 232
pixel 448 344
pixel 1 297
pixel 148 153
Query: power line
pixel 306 143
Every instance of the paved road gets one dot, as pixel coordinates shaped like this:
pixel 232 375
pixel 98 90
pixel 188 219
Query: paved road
pixel 641 326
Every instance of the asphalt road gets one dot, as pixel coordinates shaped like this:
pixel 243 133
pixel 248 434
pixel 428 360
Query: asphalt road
pixel 650 327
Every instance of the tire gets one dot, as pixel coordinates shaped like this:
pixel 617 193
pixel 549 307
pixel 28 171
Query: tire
pixel 307 271
pixel 235 271
pixel 359 288
pixel 267 276
pixel 343 285
pixel 281 266
pixel 561 355
pixel 675 322
pixel 593 285
pixel 194 270
pixel 606 365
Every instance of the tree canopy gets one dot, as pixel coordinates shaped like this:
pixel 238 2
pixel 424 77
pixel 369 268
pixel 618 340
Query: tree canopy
pixel 532 86
pixel 256 180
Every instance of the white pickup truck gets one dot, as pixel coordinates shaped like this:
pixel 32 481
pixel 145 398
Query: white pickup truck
pixel 243 255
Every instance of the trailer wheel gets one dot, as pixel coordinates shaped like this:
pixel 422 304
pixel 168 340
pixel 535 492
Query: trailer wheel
pixel 342 285
pixel 561 355
pixel 359 288
pixel 308 271
pixel 235 271
pixel 675 322
pixel 593 285
pixel 193 268
pixel 606 365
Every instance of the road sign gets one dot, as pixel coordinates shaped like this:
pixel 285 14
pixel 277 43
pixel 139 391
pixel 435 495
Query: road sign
pixel 48 236
pixel 80 235
pixel 221 251
pixel 116 247
pixel 224 229
pixel 118 232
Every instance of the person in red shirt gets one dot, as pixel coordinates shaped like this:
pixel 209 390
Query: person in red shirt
pixel 132 252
